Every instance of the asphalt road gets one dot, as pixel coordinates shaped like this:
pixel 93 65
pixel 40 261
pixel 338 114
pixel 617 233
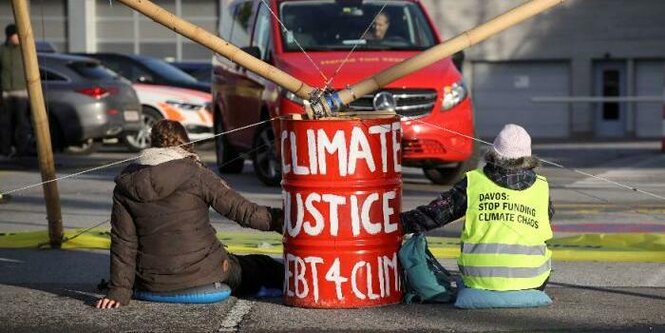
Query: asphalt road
pixel 51 291
pixel 579 200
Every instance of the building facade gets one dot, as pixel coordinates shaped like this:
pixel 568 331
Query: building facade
pixel 110 26
pixel 582 49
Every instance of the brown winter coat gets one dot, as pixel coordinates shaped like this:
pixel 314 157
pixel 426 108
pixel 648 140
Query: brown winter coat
pixel 161 236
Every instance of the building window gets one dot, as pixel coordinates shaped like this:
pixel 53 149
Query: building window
pixel 121 30
pixel 48 18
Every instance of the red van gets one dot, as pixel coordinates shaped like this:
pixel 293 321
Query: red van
pixel 310 41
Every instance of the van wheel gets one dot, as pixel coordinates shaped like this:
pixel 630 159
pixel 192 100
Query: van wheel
pixel 228 160
pixel 266 164
pixel 451 175
pixel 137 141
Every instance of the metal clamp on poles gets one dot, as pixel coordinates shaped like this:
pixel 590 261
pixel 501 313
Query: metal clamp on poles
pixel 325 104
pixel 316 104
pixel 334 101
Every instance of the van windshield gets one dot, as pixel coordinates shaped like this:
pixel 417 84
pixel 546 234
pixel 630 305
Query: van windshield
pixel 339 25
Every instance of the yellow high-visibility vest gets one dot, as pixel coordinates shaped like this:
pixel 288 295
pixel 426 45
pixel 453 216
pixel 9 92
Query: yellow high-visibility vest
pixel 503 241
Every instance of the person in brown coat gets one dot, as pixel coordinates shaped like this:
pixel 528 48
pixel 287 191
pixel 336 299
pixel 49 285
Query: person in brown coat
pixel 161 236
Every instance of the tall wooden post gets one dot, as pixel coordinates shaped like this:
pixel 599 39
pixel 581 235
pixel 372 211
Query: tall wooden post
pixel 39 121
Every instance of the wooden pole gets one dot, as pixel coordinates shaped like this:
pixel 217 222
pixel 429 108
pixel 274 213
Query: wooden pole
pixel 39 121
pixel 445 49
pixel 226 49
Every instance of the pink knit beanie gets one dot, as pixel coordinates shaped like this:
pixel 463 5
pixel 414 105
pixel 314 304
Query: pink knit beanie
pixel 512 142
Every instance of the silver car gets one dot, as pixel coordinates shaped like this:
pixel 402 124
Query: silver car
pixel 86 102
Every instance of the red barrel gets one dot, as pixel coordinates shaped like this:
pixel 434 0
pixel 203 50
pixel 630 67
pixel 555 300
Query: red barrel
pixel 342 195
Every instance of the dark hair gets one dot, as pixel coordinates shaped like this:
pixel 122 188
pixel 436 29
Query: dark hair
pixel 170 133
pixel 10 30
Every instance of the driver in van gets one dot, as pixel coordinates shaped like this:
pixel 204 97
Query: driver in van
pixel 380 27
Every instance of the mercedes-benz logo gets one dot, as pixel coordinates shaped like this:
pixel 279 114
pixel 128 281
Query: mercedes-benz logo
pixel 384 101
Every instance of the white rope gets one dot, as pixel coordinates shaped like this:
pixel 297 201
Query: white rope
pixel 632 188
pixel 348 55
pixel 286 30
pixel 129 159
pixel 66 239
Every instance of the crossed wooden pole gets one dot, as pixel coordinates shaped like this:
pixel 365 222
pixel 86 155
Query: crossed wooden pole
pixel 321 103
pixel 327 103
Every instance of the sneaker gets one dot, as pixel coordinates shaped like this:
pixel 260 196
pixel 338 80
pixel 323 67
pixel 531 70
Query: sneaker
pixel 5 198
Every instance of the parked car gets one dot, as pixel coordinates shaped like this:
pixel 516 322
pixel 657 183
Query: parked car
pixel 149 70
pixel 327 30
pixel 44 46
pixel 189 107
pixel 200 70
pixel 86 102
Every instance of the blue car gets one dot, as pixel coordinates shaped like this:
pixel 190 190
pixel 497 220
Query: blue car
pixel 200 70
pixel 148 70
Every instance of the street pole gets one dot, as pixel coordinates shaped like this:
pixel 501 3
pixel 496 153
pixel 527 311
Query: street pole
pixel 39 121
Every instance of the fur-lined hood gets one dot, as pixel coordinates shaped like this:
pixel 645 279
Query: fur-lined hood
pixel 515 174
pixel 527 162
pixel 156 156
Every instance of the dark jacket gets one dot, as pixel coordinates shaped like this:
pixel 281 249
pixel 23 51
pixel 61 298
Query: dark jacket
pixel 450 206
pixel 11 68
pixel 161 236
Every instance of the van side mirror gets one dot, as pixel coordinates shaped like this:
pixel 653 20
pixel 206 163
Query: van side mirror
pixel 458 60
pixel 254 51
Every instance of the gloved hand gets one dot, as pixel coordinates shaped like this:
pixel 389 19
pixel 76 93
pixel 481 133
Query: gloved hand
pixel 277 222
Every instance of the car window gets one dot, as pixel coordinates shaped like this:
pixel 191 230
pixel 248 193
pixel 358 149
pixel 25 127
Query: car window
pixel 200 73
pixel 47 75
pixel 92 70
pixel 43 46
pixel 118 67
pixel 166 70
pixel 308 23
pixel 136 72
pixel 128 70
pixel 240 28
pixel 261 38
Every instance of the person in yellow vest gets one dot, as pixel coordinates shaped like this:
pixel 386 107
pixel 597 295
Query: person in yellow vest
pixel 507 210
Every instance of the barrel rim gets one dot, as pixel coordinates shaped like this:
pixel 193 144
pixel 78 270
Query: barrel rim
pixel 378 117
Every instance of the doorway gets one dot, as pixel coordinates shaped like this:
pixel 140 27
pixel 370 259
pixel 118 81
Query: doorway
pixel 610 81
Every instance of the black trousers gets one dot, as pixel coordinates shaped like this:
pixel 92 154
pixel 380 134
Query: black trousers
pixel 248 273
pixel 15 129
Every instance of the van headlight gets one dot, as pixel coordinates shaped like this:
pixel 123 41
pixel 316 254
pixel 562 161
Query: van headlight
pixel 453 95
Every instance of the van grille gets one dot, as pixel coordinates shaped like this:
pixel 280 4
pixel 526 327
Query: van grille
pixel 410 102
